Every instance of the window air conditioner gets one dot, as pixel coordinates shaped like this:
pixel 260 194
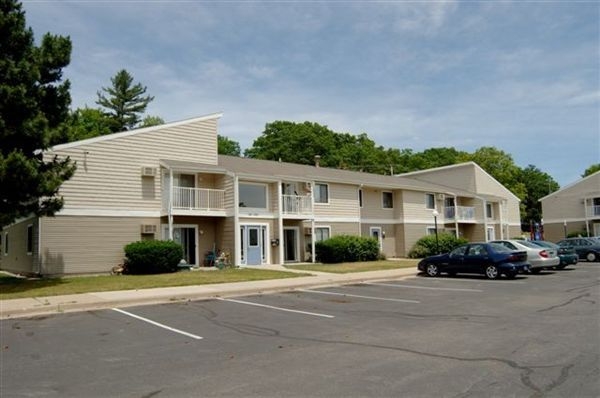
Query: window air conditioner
pixel 307 231
pixel 441 196
pixel 149 171
pixel 148 228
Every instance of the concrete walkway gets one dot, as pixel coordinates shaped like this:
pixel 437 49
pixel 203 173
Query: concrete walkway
pixel 29 307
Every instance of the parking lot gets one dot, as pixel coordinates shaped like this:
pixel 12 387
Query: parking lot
pixel 537 335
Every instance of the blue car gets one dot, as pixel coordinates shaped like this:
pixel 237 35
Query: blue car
pixel 489 259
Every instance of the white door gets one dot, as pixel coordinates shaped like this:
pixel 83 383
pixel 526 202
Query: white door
pixel 491 233
pixel 253 238
pixel 375 232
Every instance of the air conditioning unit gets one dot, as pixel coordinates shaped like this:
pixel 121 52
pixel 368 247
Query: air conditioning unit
pixel 148 228
pixel 148 171
pixel 308 186
pixel 307 231
pixel 441 196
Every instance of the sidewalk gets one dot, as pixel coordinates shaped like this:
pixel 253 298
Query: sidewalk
pixel 29 307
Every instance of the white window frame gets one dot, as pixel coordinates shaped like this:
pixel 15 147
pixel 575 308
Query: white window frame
pixel 383 199
pixel 266 188
pixel 5 243
pixel 29 239
pixel 427 196
pixel 317 184
pixel 490 207
pixel 430 230
pixel 328 228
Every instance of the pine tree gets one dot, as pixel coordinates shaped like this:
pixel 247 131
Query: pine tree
pixel 33 103
pixel 124 101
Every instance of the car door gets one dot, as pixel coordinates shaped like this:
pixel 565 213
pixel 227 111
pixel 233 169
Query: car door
pixel 476 258
pixel 456 259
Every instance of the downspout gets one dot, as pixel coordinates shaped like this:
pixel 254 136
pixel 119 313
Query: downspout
pixel 280 221
pixel 312 223
pixel 502 207
pixel 587 221
pixel 457 233
pixel 485 223
pixel 170 209
pixel 236 221
pixel 39 250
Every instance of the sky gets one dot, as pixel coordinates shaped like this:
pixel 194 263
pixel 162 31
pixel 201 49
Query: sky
pixel 522 76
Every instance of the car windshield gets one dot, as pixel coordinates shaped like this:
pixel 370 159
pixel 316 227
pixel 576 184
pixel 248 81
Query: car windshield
pixel 544 243
pixel 529 244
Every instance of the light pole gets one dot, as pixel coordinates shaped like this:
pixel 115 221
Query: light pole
pixel 437 242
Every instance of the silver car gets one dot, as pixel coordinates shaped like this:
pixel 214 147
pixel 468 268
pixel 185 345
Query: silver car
pixel 538 257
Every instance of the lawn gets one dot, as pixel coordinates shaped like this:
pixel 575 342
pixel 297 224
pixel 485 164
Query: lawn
pixel 344 268
pixel 13 287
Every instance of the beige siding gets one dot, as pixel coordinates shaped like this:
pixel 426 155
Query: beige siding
pixel 343 202
pixel 87 244
pixel 414 207
pixel 389 242
pixel 225 234
pixel 411 233
pixel 373 205
pixel 567 204
pixel 17 259
pixel 108 172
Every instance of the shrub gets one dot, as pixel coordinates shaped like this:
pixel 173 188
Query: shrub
pixel 347 248
pixel 152 257
pixel 426 246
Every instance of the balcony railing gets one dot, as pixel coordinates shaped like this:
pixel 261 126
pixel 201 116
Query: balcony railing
pixel 460 213
pixel 198 199
pixel 296 204
pixel 593 211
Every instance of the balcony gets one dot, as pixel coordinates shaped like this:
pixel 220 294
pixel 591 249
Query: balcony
pixel 296 205
pixel 593 211
pixel 198 199
pixel 460 214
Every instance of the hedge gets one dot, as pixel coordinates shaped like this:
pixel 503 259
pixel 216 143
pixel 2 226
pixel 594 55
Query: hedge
pixel 426 246
pixel 347 248
pixel 152 257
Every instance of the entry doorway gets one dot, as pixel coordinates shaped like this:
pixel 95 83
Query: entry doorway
pixel 253 244
pixel 491 233
pixel 291 244
pixel 375 232
pixel 187 237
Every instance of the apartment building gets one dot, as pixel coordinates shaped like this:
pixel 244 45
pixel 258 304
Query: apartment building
pixel 168 182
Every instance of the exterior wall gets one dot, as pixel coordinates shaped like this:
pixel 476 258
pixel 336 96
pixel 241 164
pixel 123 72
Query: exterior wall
pixel 224 234
pixel 77 244
pixel 567 204
pixel 17 260
pixel 108 172
pixel 343 204
pixel 388 242
pixel 373 204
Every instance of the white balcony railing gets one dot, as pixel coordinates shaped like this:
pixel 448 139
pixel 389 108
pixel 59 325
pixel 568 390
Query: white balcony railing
pixel 198 199
pixel 593 211
pixel 296 204
pixel 460 213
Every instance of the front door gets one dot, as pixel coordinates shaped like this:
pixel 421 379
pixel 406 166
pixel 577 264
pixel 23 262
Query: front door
pixel 290 244
pixel 375 232
pixel 253 238
pixel 186 237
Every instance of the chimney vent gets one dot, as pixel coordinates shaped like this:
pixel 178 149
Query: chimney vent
pixel 317 160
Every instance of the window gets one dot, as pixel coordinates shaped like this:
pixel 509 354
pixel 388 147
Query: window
pixel 430 201
pixel 388 200
pixel 489 210
pixel 321 193
pixel 322 233
pixel 29 239
pixel 253 195
pixel 6 243
pixel 360 197
pixel 430 230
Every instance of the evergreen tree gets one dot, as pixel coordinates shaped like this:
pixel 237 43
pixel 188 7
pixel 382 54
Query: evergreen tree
pixel 124 101
pixel 33 103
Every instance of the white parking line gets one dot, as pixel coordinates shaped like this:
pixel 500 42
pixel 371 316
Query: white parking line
pixel 458 279
pixel 160 325
pixel 424 287
pixel 365 297
pixel 275 308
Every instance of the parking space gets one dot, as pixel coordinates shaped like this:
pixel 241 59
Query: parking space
pixel 422 336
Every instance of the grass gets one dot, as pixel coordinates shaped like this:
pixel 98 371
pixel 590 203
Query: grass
pixel 344 268
pixel 12 287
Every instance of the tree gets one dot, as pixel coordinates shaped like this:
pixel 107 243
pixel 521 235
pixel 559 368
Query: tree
pixel 537 184
pixel 81 124
pixel 33 103
pixel 124 101
pixel 591 170
pixel 150 121
pixel 228 146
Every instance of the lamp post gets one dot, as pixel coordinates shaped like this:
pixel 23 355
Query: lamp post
pixel 437 242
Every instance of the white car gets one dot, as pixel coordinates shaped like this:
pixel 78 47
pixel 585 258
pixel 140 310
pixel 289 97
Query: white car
pixel 538 257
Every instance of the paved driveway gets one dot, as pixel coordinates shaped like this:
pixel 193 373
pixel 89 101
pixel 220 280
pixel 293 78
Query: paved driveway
pixel 454 337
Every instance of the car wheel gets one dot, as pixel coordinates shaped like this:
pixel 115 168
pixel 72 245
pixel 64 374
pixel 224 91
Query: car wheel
pixel 511 275
pixel 536 270
pixel 432 270
pixel 492 272
pixel 591 257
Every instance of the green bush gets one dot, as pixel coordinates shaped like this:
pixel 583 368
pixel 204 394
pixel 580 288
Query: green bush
pixel 152 257
pixel 347 248
pixel 426 246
